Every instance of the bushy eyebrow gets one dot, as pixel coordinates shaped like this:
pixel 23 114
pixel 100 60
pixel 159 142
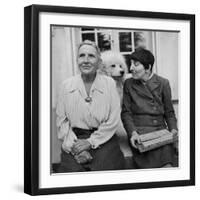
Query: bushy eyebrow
pixel 90 54
pixel 82 54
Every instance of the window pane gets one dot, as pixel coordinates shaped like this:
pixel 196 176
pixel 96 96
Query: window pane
pixel 88 36
pixel 139 40
pixel 104 41
pixel 102 30
pixel 125 41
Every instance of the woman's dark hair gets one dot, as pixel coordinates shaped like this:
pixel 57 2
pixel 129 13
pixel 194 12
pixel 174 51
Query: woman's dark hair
pixel 143 56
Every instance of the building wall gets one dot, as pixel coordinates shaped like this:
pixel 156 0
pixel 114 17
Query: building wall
pixel 167 58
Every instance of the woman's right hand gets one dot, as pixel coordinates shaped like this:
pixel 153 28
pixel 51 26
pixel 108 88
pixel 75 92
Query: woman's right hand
pixel 135 139
pixel 83 157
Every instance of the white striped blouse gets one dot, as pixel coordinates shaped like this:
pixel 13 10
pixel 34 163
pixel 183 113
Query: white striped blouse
pixel 102 112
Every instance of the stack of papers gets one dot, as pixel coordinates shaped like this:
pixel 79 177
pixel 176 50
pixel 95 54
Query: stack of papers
pixel 155 139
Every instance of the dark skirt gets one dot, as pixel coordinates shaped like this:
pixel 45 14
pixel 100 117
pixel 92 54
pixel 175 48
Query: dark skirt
pixel 107 157
pixel 154 158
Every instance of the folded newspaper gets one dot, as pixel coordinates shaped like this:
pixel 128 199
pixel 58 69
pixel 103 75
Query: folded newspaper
pixel 155 139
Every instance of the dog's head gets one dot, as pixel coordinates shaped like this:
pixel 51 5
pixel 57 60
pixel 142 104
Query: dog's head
pixel 113 64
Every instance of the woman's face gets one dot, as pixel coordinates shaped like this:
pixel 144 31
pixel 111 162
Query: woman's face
pixel 137 69
pixel 88 59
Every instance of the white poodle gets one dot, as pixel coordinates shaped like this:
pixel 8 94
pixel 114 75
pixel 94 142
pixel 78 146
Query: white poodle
pixel 114 65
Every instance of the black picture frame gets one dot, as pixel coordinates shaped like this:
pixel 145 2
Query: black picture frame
pixel 32 103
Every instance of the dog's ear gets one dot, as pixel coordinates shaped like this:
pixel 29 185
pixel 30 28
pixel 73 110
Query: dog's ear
pixel 100 62
pixel 102 69
pixel 123 63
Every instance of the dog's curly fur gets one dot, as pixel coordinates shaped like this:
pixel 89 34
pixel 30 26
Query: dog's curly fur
pixel 114 65
pixel 119 73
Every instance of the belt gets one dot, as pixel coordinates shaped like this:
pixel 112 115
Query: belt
pixel 83 132
pixel 149 120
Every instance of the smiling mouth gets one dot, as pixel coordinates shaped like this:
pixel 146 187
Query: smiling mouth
pixel 86 66
pixel 133 72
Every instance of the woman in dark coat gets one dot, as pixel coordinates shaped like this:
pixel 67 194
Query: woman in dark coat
pixel 147 107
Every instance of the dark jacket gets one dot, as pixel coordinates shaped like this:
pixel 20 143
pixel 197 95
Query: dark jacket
pixel 147 105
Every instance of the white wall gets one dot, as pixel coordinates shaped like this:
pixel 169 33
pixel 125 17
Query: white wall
pixel 167 58
pixel 11 101
pixel 62 59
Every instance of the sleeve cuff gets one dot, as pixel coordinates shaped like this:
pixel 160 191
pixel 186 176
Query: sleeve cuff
pixel 172 124
pixel 93 144
pixel 130 131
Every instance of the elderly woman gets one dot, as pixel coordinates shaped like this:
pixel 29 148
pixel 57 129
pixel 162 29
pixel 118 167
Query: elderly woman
pixel 88 113
pixel 147 107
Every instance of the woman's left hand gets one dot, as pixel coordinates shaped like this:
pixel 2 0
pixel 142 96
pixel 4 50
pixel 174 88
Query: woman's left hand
pixel 81 145
pixel 174 132
pixel 83 157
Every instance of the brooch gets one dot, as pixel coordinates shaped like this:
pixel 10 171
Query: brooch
pixel 88 99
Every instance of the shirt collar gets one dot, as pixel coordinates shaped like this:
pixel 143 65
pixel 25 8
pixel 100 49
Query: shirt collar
pixel 77 84
pixel 151 76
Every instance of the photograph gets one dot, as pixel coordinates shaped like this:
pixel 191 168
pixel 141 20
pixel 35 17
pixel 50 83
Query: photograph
pixel 131 124
pixel 109 99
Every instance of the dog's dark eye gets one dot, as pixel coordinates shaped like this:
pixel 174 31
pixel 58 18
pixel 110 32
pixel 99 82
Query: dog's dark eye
pixel 112 65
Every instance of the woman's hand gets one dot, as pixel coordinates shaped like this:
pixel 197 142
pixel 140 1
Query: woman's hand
pixel 175 134
pixel 83 157
pixel 135 139
pixel 80 145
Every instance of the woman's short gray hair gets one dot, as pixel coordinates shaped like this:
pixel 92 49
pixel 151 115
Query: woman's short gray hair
pixel 89 42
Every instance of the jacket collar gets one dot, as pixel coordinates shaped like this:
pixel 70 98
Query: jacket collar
pixel 153 82
pixel 147 88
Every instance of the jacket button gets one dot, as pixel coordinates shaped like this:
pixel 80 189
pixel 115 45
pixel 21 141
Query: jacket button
pixel 155 121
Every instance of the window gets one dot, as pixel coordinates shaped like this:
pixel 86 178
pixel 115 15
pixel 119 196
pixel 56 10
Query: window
pixel 124 41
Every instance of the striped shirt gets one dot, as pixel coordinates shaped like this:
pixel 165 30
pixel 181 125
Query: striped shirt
pixel 103 112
